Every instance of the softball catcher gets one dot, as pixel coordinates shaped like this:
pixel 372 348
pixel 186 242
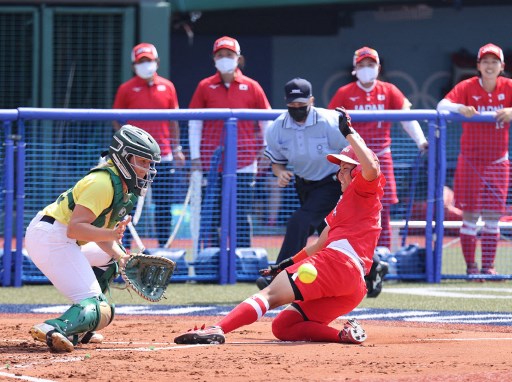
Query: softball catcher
pixel 75 241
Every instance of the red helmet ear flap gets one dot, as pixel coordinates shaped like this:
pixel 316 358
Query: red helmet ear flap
pixel 356 170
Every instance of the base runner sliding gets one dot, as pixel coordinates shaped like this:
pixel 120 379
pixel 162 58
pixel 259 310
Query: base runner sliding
pixel 341 256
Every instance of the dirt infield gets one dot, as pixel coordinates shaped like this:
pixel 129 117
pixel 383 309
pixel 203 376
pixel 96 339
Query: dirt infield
pixel 141 348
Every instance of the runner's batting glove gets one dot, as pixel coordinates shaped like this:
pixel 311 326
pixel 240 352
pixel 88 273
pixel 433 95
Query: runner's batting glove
pixel 345 122
pixel 274 270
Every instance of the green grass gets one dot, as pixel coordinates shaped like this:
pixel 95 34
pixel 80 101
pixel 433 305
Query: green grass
pixel 492 296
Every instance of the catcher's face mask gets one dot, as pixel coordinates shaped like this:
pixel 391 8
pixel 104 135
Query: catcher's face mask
pixel 144 170
pixel 127 143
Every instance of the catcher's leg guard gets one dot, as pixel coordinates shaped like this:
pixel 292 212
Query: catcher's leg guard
pixel 89 314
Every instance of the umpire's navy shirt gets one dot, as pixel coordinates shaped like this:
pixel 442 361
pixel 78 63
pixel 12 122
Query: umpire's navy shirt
pixel 304 146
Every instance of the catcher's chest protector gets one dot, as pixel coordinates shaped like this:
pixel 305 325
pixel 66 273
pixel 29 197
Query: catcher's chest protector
pixel 122 204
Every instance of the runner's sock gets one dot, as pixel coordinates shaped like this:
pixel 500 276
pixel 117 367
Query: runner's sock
pixel 245 313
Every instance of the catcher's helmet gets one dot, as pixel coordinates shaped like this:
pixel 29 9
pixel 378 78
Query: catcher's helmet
pixel 132 141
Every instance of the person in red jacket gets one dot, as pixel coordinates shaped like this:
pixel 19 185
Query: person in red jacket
pixel 148 90
pixel 482 173
pixel 369 93
pixel 229 88
pixel 342 255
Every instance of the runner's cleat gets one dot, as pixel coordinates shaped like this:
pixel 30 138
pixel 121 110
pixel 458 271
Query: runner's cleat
pixel 58 343
pixel 352 332
pixel 210 335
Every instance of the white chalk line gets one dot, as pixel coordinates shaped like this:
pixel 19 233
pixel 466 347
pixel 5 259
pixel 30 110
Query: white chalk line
pixel 24 377
pixel 177 347
pixel 465 339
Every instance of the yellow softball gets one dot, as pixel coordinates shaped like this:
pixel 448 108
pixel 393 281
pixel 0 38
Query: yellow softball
pixel 307 273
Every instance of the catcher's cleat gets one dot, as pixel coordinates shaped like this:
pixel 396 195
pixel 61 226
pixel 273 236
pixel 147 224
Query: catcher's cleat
pixel 58 343
pixel 92 338
pixel 210 335
pixel 38 333
pixel 352 332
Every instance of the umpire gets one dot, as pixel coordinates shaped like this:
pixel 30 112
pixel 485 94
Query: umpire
pixel 301 138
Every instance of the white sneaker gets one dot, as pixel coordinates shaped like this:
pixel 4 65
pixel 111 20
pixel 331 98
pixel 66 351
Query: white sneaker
pixel 352 332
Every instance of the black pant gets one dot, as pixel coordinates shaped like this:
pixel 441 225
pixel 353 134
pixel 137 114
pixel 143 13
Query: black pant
pixel 317 199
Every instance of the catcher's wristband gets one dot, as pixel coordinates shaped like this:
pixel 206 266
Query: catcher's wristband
pixel 301 255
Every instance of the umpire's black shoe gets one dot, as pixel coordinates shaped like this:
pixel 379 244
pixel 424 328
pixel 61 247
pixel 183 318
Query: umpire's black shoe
pixel 375 278
pixel 263 282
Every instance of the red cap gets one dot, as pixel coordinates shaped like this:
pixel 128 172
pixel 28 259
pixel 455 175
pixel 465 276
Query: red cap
pixel 365 52
pixel 490 49
pixel 226 43
pixel 347 155
pixel 144 50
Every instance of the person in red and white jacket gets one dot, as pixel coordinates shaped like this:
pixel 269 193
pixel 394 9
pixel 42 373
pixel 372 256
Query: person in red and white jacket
pixel 148 90
pixel 369 93
pixel 482 173
pixel 229 88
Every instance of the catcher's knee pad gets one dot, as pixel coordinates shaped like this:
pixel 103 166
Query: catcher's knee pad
pixel 106 276
pixel 105 312
pixel 89 314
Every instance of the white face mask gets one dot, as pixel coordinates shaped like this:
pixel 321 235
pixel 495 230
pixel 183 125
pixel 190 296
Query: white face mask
pixel 146 70
pixel 367 74
pixel 226 65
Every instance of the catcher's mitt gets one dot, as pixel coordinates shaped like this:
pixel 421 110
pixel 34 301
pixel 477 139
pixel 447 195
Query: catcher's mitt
pixel 148 275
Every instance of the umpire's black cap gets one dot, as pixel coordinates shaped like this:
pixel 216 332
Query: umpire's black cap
pixel 297 90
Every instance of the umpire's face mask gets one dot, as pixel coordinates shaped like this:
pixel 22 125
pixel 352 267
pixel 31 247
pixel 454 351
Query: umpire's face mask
pixel 299 114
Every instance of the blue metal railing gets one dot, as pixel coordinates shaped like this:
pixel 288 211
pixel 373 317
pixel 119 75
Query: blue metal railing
pixel 227 261
pixel 8 117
